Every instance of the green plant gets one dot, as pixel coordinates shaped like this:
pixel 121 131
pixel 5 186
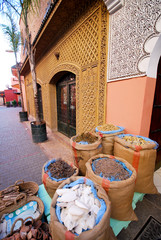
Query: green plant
pixel 23 9
pixel 11 31
pixel 14 103
pixel 19 103
pixel 8 104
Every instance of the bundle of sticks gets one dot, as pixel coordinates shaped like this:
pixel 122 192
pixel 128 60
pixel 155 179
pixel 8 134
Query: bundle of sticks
pixel 11 195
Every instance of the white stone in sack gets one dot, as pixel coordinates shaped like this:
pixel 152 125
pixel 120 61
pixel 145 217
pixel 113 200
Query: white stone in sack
pixel 69 204
pixel 63 214
pixel 69 222
pixel 62 204
pixel 67 197
pixel 75 187
pixel 79 192
pixel 88 200
pixel 97 202
pixel 82 221
pixel 81 186
pixel 78 229
pixel 62 191
pixel 95 209
pixel 90 221
pixel 76 218
pixel 75 210
pixel 81 224
pixel 85 200
pixel 91 200
pixel 81 204
pixel 87 190
pixel 76 203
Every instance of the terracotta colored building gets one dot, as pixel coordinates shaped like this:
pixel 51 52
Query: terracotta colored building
pixel 15 84
pixel 14 79
pixel 2 98
pixel 10 95
pixel 97 61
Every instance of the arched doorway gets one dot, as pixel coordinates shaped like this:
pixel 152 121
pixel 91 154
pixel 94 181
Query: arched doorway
pixel 66 104
pixel 155 128
pixel 40 101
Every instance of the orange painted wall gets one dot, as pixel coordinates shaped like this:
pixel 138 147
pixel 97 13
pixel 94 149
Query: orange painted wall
pixel 15 85
pixel 130 103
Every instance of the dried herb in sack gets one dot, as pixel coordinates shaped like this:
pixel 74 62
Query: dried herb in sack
pixel 86 137
pixel 60 169
pixel 54 172
pixel 141 153
pixel 120 192
pixel 111 169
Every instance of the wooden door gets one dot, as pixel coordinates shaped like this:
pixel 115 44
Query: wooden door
pixel 155 128
pixel 66 105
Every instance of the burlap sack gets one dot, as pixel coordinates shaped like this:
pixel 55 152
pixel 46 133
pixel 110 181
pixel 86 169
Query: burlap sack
pixel 108 139
pixel 51 185
pixel 102 231
pixel 120 193
pixel 142 159
pixel 83 153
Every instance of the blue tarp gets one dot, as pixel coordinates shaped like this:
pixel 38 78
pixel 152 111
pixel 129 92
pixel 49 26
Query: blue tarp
pixel 111 132
pixel 83 142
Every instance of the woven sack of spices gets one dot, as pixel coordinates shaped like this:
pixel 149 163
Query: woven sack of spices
pixel 84 147
pixel 108 132
pixel 54 172
pixel 101 229
pixel 141 153
pixel 120 192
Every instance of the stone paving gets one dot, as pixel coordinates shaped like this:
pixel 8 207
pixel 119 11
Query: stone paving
pixel 20 158
pixel 57 145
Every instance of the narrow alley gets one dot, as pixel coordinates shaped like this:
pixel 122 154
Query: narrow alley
pixel 20 158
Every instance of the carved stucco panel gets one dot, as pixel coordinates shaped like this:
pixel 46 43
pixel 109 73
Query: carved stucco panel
pixel 130 27
pixel 30 99
pixel 89 103
pixel 45 101
pixel 82 51
pixel 103 66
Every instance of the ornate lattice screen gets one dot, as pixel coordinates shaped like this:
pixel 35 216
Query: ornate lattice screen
pixel 83 51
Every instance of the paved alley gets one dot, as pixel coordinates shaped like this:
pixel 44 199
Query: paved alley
pixel 20 158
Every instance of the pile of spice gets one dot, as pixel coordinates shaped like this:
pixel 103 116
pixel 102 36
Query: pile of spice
pixel 135 140
pixel 86 138
pixel 111 168
pixel 60 169
pixel 107 127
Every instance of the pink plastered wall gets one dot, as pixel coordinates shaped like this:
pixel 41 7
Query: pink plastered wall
pixel 130 103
